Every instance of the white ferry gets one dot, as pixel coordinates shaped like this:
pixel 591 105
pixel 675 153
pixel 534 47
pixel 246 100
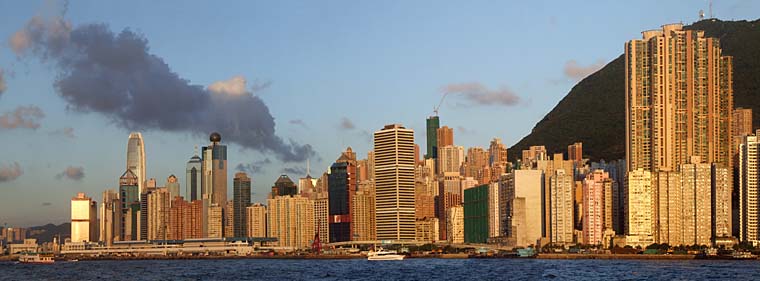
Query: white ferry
pixel 383 255
pixel 36 258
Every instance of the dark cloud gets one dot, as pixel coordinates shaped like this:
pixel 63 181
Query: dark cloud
pixel 114 74
pixel 26 117
pixel 72 173
pixel 45 204
pixel 465 131
pixel 10 172
pixel 347 124
pixel 2 82
pixel 297 171
pixel 575 71
pixel 254 167
pixel 478 94
pixel 298 122
pixel 66 132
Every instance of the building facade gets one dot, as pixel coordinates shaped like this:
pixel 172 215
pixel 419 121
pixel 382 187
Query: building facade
pixel 241 200
pixel 394 183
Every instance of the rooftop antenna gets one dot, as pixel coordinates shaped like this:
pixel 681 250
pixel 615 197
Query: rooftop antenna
pixel 308 169
pixel 711 14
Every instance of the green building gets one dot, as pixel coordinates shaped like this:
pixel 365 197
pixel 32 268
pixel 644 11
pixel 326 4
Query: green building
pixel 476 214
pixel 432 137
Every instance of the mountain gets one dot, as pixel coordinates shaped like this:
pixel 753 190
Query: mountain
pixel 46 232
pixel 593 112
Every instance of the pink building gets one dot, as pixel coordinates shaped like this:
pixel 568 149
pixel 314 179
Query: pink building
pixel 594 206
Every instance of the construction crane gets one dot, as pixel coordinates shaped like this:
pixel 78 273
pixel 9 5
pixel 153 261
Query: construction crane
pixel 435 109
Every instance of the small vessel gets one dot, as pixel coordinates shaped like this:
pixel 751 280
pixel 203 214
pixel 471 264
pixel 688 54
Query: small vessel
pixel 383 255
pixel 741 255
pixel 526 252
pixel 36 258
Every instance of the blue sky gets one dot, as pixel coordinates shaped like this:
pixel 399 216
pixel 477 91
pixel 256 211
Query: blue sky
pixel 369 62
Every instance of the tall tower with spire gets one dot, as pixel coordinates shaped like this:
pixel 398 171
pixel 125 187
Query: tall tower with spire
pixel 193 177
pixel 136 158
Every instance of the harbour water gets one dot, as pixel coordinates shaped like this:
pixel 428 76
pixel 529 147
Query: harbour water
pixel 410 269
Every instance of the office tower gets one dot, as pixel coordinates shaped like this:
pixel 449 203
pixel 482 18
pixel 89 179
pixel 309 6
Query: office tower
pixel 129 195
pixel 640 225
pixel 721 202
pixel 561 221
pixel 476 214
pixel 444 136
pixel 427 230
pixel 242 199
pixel 257 220
pixel 363 212
pixel 173 186
pixel 449 195
pixel 291 220
pixel 679 99
pixel 185 219
pixel 575 152
pixel 394 183
pixel 158 213
pixel 215 225
pixel 696 191
pixel 432 124
pixel 749 226
pixel 532 155
pixel 455 224
pixel 494 210
pixel 136 159
pixel 284 186
pixel 322 216
pixel 597 207
pixel 84 219
pixel 341 189
pixel 214 168
pixel 497 155
pixel 450 159
pixel 524 206
pixel 110 217
pixel 193 178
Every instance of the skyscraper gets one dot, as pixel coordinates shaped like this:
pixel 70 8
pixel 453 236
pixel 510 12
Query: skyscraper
pixel 84 219
pixel 394 183
pixel 257 220
pixel 193 178
pixel 433 124
pixel 363 212
pixel 450 159
pixel 561 222
pixel 597 207
pixel 158 213
pixel 136 159
pixel 721 202
pixel 215 170
pixel 455 224
pixel 640 227
pixel 110 217
pixel 696 191
pixel 129 196
pixel 290 219
pixel 341 189
pixel 575 152
pixel 444 136
pixel 241 200
pixel 284 186
pixel 173 186
pixel 749 225
pixel 679 98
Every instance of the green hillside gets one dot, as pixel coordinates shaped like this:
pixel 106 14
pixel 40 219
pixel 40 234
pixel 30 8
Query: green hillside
pixel 593 112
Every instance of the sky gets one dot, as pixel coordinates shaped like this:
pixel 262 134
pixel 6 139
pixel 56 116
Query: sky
pixel 285 82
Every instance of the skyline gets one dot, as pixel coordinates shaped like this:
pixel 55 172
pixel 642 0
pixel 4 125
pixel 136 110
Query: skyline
pixel 29 82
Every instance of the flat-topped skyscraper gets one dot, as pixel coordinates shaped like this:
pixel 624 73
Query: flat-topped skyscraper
pixel 394 177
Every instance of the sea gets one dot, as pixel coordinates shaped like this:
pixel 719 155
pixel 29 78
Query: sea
pixel 410 269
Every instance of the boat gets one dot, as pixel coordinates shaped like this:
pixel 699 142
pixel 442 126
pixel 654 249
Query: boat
pixel 36 258
pixel 383 255
pixel 741 255
pixel 526 252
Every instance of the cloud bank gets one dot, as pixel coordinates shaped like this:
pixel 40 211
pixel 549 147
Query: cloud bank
pixel 115 75
pixel 23 117
pixel 10 172
pixel 478 94
pixel 72 173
